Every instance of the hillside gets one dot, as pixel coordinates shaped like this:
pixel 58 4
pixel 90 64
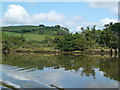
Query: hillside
pixel 35 33
pixel 19 28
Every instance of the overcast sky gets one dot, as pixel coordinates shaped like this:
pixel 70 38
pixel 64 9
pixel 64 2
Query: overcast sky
pixel 68 14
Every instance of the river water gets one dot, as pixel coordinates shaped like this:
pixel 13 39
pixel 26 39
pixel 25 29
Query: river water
pixel 61 71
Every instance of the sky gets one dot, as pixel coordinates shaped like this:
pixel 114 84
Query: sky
pixel 72 15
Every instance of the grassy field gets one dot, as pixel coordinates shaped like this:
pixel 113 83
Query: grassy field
pixel 29 36
pixel 32 29
pixel 35 33
pixel 52 31
pixel 46 31
pixel 19 28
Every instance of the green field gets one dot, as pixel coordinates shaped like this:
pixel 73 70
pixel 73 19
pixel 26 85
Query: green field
pixel 29 36
pixel 19 28
pixel 46 31
pixel 35 33
pixel 32 29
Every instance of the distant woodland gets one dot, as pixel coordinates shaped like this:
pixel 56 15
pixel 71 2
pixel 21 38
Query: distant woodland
pixel 43 37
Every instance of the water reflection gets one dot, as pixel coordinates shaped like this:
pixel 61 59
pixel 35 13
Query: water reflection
pixel 66 71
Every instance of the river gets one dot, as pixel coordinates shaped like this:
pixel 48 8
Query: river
pixel 60 71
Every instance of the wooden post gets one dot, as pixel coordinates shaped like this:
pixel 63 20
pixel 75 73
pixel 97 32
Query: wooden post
pixel 115 52
pixel 111 52
pixel 119 52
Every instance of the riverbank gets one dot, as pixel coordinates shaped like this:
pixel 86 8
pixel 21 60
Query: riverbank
pixel 55 51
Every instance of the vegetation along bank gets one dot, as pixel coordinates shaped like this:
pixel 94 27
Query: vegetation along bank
pixel 59 39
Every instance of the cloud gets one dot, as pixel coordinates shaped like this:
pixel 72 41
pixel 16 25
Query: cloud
pixel 99 24
pixel 100 4
pixel 107 21
pixel 78 28
pixel 16 14
pixel 111 6
pixel 51 16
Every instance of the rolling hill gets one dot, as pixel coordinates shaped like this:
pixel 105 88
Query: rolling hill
pixel 35 33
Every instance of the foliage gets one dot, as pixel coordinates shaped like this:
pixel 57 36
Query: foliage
pixel 12 41
pixel 60 38
pixel 110 35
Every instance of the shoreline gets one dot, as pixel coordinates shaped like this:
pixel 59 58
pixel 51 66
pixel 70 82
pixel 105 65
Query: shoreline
pixel 86 52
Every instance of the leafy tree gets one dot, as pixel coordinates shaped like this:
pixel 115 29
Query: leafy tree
pixel 66 29
pixel 10 42
pixel 57 26
pixel 116 29
pixel 41 25
pixel 80 42
pixel 91 36
pixel 111 35
pixel 67 43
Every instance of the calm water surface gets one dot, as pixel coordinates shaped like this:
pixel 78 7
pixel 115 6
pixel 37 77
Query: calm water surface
pixel 63 71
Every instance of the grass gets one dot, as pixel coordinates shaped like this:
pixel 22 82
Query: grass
pixel 29 36
pixel 46 31
pixel 19 28
pixel 32 35
pixel 11 33
pixel 32 29
pixel 36 37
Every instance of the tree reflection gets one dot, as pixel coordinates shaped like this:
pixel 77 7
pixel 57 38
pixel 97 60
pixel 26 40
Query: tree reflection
pixel 85 65
pixel 88 71
pixel 110 68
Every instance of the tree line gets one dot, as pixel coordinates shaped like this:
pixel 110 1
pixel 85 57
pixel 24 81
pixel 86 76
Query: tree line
pixel 88 38
pixel 109 37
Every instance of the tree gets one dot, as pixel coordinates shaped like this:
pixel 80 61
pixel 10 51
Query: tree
pixel 57 26
pixel 111 36
pixel 66 29
pixel 116 28
pixel 80 42
pixel 90 35
pixel 93 29
pixel 66 43
pixel 10 42
pixel 41 25
pixel 6 45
